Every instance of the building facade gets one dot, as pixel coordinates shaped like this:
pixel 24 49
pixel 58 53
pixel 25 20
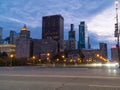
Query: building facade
pixel 114 54
pixel 25 33
pixel 23 48
pixel 1 29
pixel 83 36
pixel 53 28
pixel 23 44
pixel 13 37
pixel 89 45
pixel 66 45
pixel 103 48
pixel 8 48
pixel 72 40
pixel 94 56
pixel 41 48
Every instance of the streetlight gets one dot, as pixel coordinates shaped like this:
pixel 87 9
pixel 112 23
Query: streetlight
pixel 117 32
pixel 63 56
pixel 48 54
pixel 48 57
pixel 98 55
pixel 33 59
pixel 57 60
pixel 11 57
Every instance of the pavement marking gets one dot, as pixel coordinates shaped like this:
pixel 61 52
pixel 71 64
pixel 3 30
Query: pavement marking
pixel 61 76
pixel 105 86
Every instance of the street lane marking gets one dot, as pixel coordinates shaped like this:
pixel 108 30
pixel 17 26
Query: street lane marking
pixel 61 76
pixel 105 86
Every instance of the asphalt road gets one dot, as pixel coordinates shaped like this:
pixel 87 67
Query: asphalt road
pixel 37 78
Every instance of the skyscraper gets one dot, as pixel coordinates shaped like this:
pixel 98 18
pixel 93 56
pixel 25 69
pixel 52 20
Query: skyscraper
pixel 103 48
pixel 72 39
pixel 53 28
pixel 13 37
pixel 83 36
pixel 23 44
pixel 114 54
pixel 89 45
pixel 1 35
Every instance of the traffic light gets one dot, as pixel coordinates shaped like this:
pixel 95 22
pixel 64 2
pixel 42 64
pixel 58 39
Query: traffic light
pixel 116 30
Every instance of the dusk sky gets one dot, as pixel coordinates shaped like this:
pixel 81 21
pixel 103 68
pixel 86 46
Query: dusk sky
pixel 98 14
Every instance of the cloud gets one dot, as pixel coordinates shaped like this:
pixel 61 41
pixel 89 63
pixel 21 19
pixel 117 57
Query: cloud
pixel 30 12
pixel 11 19
pixel 103 24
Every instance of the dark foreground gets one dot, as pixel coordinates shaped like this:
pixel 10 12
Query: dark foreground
pixel 39 78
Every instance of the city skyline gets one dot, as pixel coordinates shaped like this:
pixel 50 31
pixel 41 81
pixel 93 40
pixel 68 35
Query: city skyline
pixel 98 14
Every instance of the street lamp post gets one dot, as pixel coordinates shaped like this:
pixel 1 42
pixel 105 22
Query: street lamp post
pixel 48 58
pixel 117 32
pixel 11 57
pixel 33 59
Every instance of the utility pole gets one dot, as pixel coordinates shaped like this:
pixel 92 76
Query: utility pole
pixel 117 32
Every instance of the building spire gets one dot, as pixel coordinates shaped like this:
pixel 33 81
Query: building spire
pixel 72 27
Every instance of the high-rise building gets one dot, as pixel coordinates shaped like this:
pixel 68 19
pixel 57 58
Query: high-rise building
pixel 66 45
pixel 114 54
pixel 83 36
pixel 25 33
pixel 89 45
pixel 72 39
pixel 23 48
pixel 13 37
pixel 53 28
pixel 1 29
pixel 24 44
pixel 103 48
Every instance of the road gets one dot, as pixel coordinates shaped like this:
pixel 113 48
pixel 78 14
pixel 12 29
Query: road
pixel 37 78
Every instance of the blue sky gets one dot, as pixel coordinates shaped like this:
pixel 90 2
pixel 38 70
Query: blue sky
pixel 98 14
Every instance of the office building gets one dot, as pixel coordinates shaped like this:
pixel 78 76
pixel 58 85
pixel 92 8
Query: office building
pixel 83 36
pixel 13 37
pixel 89 45
pixel 1 29
pixel 114 54
pixel 23 48
pixel 103 48
pixel 66 45
pixel 53 28
pixel 42 47
pixel 72 40
pixel 24 44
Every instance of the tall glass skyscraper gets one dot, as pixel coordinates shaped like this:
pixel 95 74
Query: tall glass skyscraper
pixel 83 36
